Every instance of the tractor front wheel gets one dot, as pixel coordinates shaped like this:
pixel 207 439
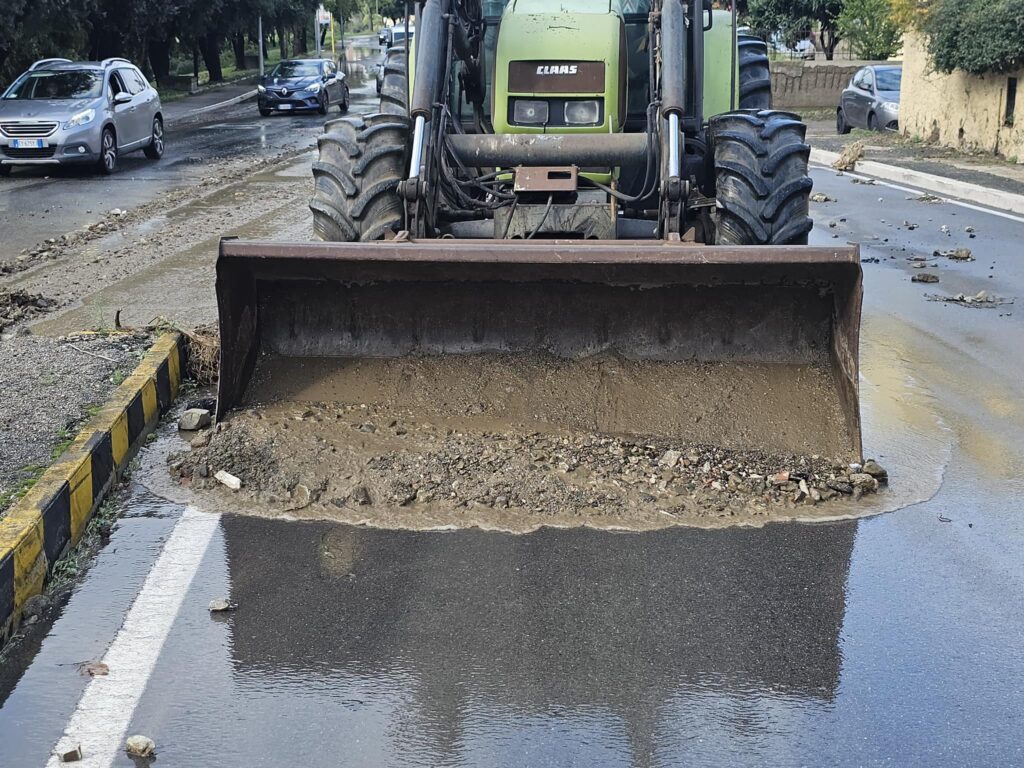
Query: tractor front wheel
pixel 761 180
pixel 355 194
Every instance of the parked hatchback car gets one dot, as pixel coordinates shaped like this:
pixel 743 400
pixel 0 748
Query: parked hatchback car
pixel 871 100
pixel 61 111
pixel 300 84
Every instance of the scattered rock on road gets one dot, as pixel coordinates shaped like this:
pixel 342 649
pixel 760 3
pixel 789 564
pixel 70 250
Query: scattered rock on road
pixel 956 254
pixel 221 604
pixel 70 755
pixel 980 300
pixel 925 277
pixel 847 160
pixel 821 197
pixel 194 419
pixel 140 746
pixel 18 305
pixel 229 480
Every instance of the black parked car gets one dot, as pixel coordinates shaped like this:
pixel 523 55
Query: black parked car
pixel 303 84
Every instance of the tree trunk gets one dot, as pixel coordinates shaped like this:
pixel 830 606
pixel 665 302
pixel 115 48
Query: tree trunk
pixel 303 43
pixel 238 43
pixel 159 52
pixel 829 41
pixel 211 57
pixel 195 62
pixel 282 40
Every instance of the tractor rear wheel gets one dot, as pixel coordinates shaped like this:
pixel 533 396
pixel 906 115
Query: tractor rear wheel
pixel 355 195
pixel 761 180
pixel 754 71
pixel 394 93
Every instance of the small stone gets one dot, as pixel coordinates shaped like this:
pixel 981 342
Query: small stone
pixel 72 755
pixel 201 441
pixel 140 746
pixel 863 481
pixel 670 458
pixel 221 604
pixel 840 486
pixel 780 479
pixel 925 277
pixel 301 498
pixel 94 669
pixel 193 419
pixel 876 470
pixel 228 480
pixel 360 495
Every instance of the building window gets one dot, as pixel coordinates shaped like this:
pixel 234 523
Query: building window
pixel 1011 99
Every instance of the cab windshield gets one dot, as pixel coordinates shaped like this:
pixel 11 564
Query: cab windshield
pixel 74 84
pixel 296 69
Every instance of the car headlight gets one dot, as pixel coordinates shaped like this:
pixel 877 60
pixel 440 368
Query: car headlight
pixel 261 89
pixel 82 118
pixel 892 106
pixel 583 112
pixel 314 88
pixel 527 112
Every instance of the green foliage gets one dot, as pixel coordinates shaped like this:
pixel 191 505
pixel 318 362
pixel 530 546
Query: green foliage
pixel 976 36
pixel 870 28
pixel 793 19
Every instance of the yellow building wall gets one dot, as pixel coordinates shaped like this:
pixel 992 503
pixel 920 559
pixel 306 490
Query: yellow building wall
pixel 959 110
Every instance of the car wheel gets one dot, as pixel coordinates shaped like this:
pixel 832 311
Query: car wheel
pixel 155 150
pixel 343 107
pixel 872 122
pixel 325 103
pixel 265 112
pixel 842 127
pixel 108 152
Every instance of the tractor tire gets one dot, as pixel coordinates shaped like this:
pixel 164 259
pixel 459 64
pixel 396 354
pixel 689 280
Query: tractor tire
pixel 761 181
pixel 755 73
pixel 355 195
pixel 394 93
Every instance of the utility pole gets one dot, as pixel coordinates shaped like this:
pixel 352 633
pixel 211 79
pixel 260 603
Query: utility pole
pixel 259 34
pixel 316 31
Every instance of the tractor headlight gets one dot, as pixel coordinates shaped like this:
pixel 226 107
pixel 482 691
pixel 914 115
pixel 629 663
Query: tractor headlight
pixel 583 112
pixel 527 112
pixel 82 118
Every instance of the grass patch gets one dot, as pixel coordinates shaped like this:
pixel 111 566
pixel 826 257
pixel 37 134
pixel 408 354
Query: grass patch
pixel 97 531
pixel 117 377
pixel 65 436
pixel 31 475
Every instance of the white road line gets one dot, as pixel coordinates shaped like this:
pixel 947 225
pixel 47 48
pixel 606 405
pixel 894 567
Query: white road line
pixel 101 720
pixel 919 190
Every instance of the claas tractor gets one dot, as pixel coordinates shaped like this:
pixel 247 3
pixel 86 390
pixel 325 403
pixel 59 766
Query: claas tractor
pixel 568 179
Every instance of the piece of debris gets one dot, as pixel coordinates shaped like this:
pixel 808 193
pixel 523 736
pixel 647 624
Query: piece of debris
pixel 229 480
pixel 969 230
pixel 926 198
pixel 910 226
pixel 140 746
pixel 865 182
pixel 821 197
pixel 193 419
pixel 72 755
pixel 361 496
pixel 20 305
pixel 944 519
pixel 94 669
pixel 670 458
pixel 847 160
pixel 221 604
pixel 957 254
pixel 925 277
pixel 980 300
pixel 876 470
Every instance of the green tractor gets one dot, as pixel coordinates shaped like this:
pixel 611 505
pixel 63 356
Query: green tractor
pixel 568 178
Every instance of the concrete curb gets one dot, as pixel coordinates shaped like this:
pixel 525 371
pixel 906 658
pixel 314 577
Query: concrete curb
pixel 51 518
pixel 939 185
pixel 247 96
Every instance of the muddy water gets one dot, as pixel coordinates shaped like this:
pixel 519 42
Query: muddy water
pixel 786 409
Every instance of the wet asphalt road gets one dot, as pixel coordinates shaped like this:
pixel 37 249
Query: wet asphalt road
pixel 893 640
pixel 43 201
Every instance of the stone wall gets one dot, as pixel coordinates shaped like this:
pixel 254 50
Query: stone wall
pixel 811 84
pixel 959 110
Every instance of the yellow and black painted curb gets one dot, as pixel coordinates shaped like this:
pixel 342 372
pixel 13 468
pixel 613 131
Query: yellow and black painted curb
pixel 52 516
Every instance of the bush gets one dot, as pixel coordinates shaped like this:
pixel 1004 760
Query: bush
pixel 976 36
pixel 871 30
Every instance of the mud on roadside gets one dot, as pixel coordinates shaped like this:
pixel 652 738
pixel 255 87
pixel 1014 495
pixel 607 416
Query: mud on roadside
pixel 384 468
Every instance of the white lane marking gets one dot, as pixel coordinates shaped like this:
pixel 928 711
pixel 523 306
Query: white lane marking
pixel 100 722
pixel 920 190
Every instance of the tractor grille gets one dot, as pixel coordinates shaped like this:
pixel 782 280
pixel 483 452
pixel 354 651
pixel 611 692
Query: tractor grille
pixel 29 154
pixel 28 130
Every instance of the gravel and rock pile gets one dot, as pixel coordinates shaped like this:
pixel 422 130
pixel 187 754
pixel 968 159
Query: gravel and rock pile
pixel 380 467
pixel 17 305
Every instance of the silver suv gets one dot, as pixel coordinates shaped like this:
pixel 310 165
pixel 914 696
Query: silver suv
pixel 61 111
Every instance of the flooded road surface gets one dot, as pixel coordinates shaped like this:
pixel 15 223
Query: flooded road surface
pixel 892 640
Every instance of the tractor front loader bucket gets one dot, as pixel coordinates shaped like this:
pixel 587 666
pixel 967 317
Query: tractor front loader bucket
pixel 747 348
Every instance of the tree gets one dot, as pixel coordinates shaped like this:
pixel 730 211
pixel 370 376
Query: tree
pixel 795 18
pixel 871 30
pixel 976 36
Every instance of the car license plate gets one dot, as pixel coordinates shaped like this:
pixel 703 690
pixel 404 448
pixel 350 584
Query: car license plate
pixel 285 106
pixel 27 144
